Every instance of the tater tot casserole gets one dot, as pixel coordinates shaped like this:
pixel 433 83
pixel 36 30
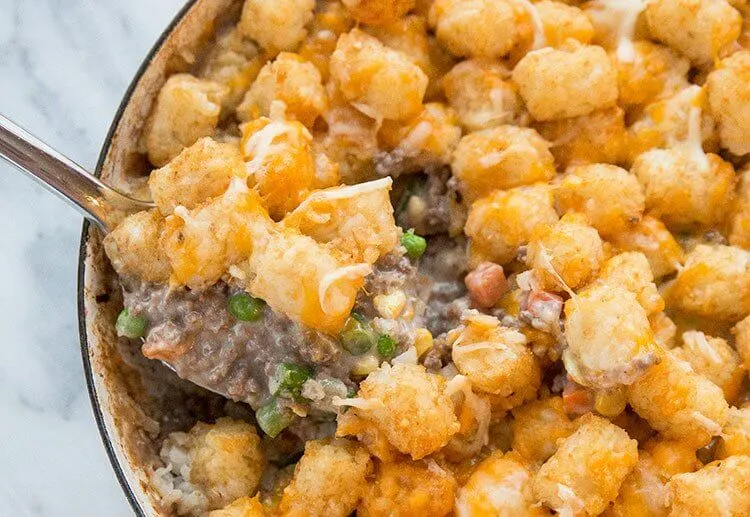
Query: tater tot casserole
pixel 450 257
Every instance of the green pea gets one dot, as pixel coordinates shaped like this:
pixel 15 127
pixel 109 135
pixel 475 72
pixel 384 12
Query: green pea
pixel 272 418
pixel 290 377
pixel 130 326
pixel 414 244
pixel 386 346
pixel 246 308
pixel 357 337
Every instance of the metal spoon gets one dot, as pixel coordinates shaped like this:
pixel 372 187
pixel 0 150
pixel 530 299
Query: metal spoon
pixel 97 202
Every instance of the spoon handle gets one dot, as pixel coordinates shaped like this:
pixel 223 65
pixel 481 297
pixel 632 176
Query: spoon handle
pixel 60 175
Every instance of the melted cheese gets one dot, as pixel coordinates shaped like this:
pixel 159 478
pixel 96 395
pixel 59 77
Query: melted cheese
pixel 621 16
pixel 540 40
pixel 331 301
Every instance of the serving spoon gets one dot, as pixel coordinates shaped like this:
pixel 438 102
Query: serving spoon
pixel 96 201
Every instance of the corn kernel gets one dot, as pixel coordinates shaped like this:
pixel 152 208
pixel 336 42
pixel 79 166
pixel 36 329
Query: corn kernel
pixel 390 305
pixel 610 403
pixel 365 365
pixel 423 341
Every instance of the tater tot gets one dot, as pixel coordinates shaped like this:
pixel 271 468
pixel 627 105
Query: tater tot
pixel 133 247
pixel 202 243
pixel 425 141
pixel 480 92
pixel 565 254
pixel 714 283
pixel 242 507
pixel 728 89
pixel 331 19
pixel 685 190
pixel 562 22
pixel 378 12
pixel 631 270
pixel 655 72
pixel 654 240
pixel 186 109
pixel 678 402
pixel 408 405
pixel 279 161
pixel 292 80
pixel 276 25
pixel 380 82
pixel 735 436
pixel 719 488
pixel 568 82
pixel 609 196
pixel 699 29
pixel 713 358
pixel 224 460
pixel 480 28
pixel 609 337
pixel 409 36
pixel 356 220
pixel 498 224
pixel 328 481
pixel 599 137
pixel 311 283
pixel 539 426
pixel 406 488
pixel 199 172
pixel 495 359
pixel 739 218
pixel 586 472
pixel 741 332
pixel 501 158
pixel 499 486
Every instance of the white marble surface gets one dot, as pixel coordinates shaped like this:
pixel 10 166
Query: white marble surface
pixel 64 65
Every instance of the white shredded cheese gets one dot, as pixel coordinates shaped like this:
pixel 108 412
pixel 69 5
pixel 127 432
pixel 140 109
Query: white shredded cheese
pixel 359 403
pixel 620 16
pixel 698 339
pixel 349 191
pixel 408 357
pixel 573 505
pixel 327 294
pixel 540 39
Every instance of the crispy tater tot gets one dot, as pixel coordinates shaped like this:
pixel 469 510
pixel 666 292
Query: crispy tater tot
pixel 276 24
pixel 735 436
pixel 713 358
pixel 728 89
pixel 410 406
pixel 586 472
pixel 199 172
pixel 133 247
pixel 609 337
pixel 714 283
pixel 631 270
pixel 186 109
pixel 499 486
pixel 356 220
pixel 699 29
pixel 379 81
pixel 328 481
pixel 480 28
pixel 609 196
pixel 654 72
pixel 202 243
pixel 500 158
pixel 568 82
pixel 495 359
pixel 565 254
pixel 678 402
pixel 378 12
pixel 654 240
pixel 741 332
pixel 279 161
pixel 719 488
pixel 498 224
pixel 562 22
pixel 539 426
pixel 406 488
pixel 684 190
pixel 480 92
pixel 292 80
pixel 599 137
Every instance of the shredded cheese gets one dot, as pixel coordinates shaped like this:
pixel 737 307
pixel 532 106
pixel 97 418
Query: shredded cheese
pixel 540 40
pixel 479 407
pixel 331 301
pixel 698 339
pixel 359 403
pixel 408 357
pixel 572 504
pixel 349 191
pixel 620 16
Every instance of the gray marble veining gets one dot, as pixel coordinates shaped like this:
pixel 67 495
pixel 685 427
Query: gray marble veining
pixel 64 65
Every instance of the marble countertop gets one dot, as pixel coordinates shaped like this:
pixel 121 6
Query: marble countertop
pixel 64 66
